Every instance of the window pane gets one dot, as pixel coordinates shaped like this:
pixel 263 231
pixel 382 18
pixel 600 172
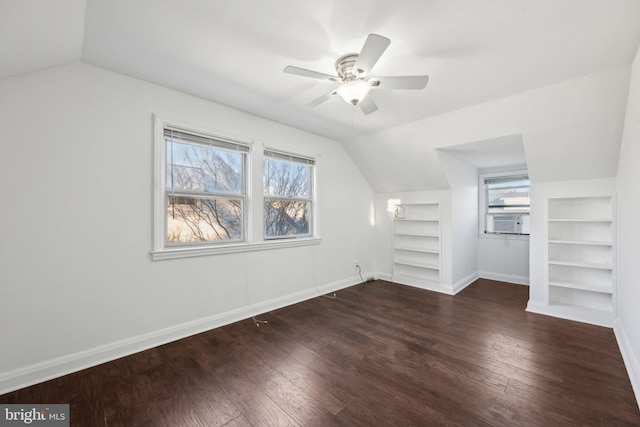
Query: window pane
pixel 286 218
pixel 191 219
pixel 286 178
pixel 507 197
pixel 203 168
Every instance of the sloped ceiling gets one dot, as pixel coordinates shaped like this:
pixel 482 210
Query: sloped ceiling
pixel 496 153
pixel 36 34
pixel 233 52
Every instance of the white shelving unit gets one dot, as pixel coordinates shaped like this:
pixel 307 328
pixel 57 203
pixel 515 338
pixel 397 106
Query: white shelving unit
pixel 416 244
pixel 581 276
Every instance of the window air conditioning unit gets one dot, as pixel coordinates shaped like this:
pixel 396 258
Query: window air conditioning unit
pixel 508 224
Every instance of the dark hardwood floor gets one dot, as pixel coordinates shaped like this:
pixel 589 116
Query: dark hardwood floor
pixel 379 354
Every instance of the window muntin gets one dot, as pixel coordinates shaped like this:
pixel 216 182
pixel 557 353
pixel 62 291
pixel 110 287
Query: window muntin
pixel 508 194
pixel 288 195
pixel 205 189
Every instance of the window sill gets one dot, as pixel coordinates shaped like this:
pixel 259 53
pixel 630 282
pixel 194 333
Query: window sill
pixel 174 253
pixel 504 236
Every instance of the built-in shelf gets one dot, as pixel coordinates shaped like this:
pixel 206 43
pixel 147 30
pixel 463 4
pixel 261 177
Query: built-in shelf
pixel 406 233
pixel 430 251
pixel 416 244
pixel 417 264
pixel 580 258
pixel 416 280
pixel 581 264
pixel 583 286
pixel 580 220
pixel 580 242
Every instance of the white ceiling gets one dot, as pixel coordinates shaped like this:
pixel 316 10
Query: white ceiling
pixel 505 151
pixel 37 34
pixel 233 52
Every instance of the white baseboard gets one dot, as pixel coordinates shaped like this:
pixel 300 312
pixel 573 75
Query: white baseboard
pixel 437 287
pixel 382 276
pixel 461 284
pixel 510 278
pixel 629 358
pixel 536 307
pixel 49 369
pixel 568 312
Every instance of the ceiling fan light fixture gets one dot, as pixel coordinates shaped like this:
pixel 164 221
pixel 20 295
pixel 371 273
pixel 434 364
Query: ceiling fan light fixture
pixel 354 79
pixel 353 91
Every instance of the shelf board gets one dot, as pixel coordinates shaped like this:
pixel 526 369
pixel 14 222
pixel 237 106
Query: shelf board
pixel 581 264
pixel 405 279
pixel 580 220
pixel 422 250
pixel 424 265
pixel 400 233
pixel 582 287
pixel 416 220
pixel 580 242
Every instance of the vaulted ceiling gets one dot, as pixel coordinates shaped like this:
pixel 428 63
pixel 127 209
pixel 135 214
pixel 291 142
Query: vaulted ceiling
pixel 233 52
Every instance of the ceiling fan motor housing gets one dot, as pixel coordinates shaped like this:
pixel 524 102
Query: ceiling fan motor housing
pixel 353 88
pixel 345 66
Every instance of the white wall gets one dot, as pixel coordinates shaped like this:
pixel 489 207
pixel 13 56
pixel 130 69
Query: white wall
pixel 627 327
pixel 504 258
pixel 570 130
pixel 463 180
pixel 77 284
pixel 384 238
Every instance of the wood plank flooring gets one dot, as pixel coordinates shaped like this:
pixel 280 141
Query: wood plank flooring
pixel 380 354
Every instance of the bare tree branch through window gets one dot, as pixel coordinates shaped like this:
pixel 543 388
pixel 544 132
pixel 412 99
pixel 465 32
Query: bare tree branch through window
pixel 205 190
pixel 287 197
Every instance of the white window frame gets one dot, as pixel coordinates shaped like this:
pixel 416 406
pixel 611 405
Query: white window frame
pixel 253 239
pixel 483 207
pixel 304 160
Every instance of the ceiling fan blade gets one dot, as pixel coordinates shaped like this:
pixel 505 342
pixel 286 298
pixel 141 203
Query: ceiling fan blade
pixel 367 105
pixel 400 82
pixel 308 73
pixel 373 48
pixel 321 99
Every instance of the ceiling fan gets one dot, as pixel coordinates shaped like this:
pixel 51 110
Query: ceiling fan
pixel 353 76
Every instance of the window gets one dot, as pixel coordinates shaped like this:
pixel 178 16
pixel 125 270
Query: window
pixel 205 189
pixel 210 199
pixel 288 195
pixel 505 203
pixel 507 194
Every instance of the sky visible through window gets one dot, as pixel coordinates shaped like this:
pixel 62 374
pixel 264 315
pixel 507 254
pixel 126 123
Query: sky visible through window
pixel 508 196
